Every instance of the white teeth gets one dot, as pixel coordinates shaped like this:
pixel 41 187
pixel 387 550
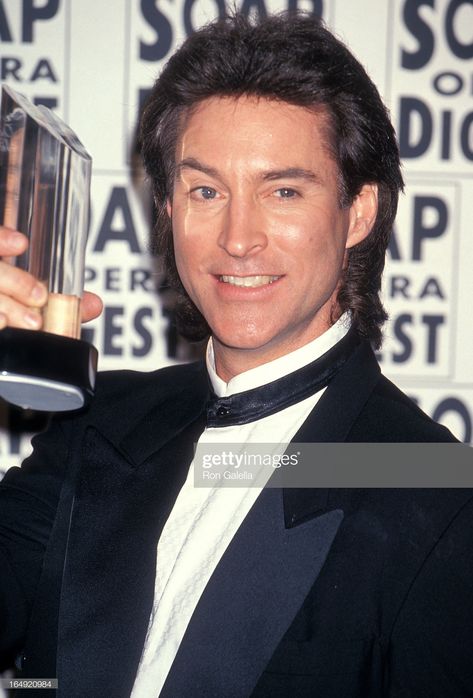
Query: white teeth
pixel 249 281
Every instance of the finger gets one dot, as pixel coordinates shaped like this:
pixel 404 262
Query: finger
pixel 14 314
pixel 12 242
pixel 91 306
pixel 21 286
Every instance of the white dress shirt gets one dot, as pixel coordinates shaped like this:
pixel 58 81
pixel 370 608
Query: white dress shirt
pixel 203 521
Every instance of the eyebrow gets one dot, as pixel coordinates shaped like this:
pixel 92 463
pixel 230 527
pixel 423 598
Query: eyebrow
pixel 271 175
pixel 194 164
pixel 292 173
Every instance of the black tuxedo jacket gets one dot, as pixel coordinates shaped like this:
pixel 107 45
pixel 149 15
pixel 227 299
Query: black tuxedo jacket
pixel 321 593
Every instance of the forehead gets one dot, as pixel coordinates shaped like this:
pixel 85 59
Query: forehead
pixel 249 128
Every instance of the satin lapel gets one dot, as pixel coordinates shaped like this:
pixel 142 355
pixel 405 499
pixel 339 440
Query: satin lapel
pixel 108 585
pixel 249 602
pixel 330 422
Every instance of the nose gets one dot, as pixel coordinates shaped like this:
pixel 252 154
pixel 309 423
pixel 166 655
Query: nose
pixel 242 233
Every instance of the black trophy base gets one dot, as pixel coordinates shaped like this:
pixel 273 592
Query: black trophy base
pixel 44 371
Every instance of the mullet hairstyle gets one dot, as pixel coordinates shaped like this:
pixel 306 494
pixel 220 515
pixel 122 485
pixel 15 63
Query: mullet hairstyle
pixel 293 58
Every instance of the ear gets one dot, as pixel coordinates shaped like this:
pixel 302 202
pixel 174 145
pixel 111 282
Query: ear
pixel 362 214
pixel 169 207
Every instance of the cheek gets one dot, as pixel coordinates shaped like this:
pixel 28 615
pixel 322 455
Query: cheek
pixel 189 256
pixel 182 264
pixel 181 238
pixel 311 245
pixel 181 252
pixel 330 245
pixel 191 228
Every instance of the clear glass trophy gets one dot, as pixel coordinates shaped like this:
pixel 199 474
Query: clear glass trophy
pixel 45 193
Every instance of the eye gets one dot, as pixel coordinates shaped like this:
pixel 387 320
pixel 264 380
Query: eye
pixel 206 193
pixel 286 193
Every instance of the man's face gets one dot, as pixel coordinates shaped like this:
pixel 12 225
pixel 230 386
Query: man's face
pixel 259 236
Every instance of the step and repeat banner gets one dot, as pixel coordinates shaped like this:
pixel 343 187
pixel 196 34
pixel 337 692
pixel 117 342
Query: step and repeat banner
pixel 93 61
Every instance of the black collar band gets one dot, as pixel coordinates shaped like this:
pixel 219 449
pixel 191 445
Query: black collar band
pixel 270 398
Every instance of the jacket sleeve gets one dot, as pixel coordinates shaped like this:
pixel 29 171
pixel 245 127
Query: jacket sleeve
pixel 28 503
pixel 430 649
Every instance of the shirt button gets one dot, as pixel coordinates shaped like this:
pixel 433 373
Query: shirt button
pixel 223 411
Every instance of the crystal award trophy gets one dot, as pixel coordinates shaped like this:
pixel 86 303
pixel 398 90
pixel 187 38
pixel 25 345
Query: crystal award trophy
pixel 44 193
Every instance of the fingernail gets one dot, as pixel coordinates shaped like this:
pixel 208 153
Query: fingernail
pixel 38 292
pixel 33 320
pixel 16 240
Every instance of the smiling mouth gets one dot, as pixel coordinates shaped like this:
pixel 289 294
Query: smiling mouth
pixel 248 281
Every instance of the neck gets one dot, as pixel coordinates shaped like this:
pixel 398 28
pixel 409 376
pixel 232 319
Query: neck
pixel 288 380
pixel 231 361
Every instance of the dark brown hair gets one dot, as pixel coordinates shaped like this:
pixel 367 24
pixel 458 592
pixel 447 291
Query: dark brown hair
pixel 294 58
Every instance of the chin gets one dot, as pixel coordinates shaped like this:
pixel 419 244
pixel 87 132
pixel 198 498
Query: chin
pixel 243 339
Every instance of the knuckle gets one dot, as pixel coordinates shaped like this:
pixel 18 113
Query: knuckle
pixel 18 315
pixel 16 282
pixel 6 309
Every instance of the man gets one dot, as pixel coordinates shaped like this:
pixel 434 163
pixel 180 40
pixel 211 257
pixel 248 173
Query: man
pixel 275 173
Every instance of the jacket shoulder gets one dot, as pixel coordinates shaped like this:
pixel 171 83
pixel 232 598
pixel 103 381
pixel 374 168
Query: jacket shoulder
pixel 124 397
pixel 390 416
pixel 112 384
pixel 114 387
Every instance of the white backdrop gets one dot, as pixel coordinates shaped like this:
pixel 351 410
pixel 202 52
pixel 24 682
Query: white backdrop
pixel 94 60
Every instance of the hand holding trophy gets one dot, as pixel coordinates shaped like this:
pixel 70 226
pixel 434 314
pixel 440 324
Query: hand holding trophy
pixel 44 193
pixel 21 295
